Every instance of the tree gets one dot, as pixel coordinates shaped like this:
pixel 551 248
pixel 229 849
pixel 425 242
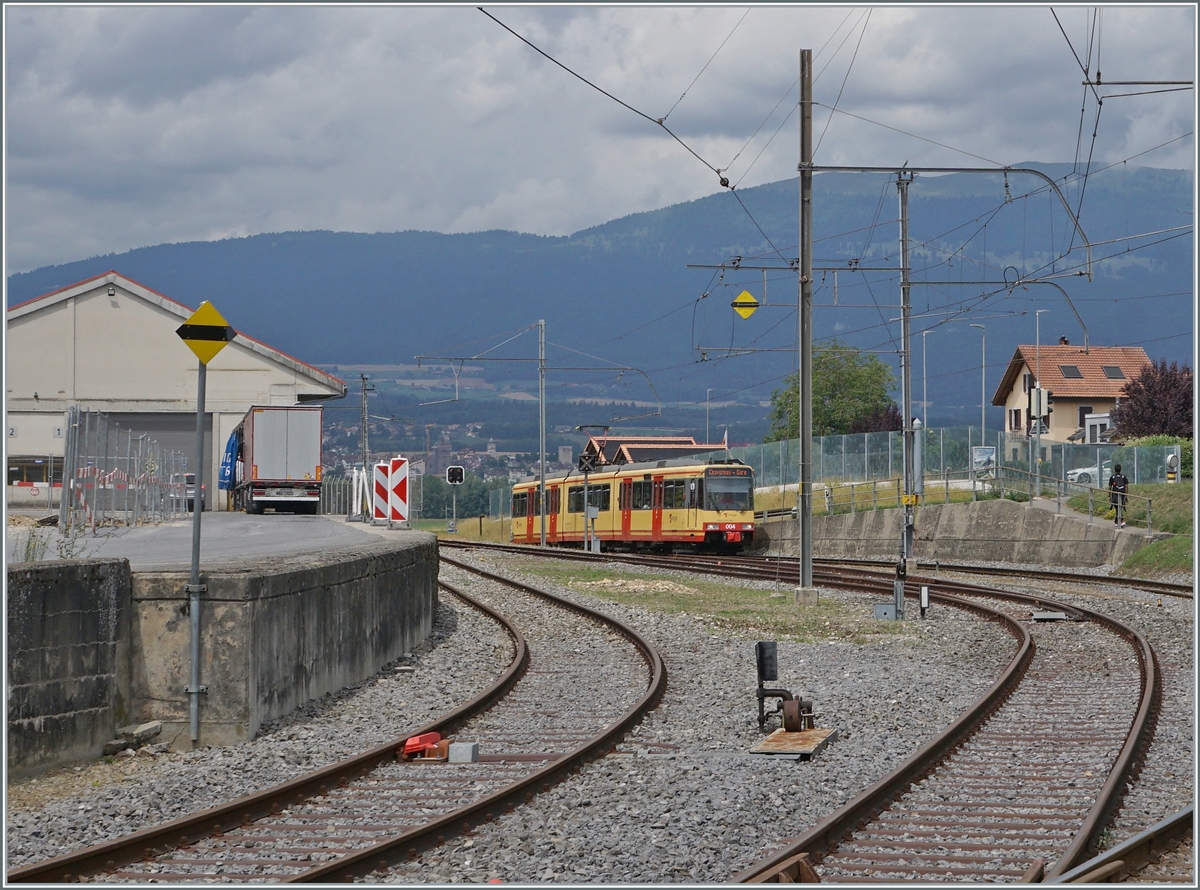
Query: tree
pixel 848 389
pixel 1156 402
pixel 879 421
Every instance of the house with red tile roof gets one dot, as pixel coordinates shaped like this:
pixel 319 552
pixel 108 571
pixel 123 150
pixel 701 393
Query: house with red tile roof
pixel 1083 381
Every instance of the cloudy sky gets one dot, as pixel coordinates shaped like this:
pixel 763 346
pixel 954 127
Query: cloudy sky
pixel 130 126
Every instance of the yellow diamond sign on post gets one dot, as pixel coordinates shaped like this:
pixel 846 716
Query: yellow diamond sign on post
pixel 745 304
pixel 206 332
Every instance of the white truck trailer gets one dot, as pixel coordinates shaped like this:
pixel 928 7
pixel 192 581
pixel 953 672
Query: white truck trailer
pixel 278 460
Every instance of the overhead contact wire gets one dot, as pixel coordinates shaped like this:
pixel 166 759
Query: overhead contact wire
pixel 706 64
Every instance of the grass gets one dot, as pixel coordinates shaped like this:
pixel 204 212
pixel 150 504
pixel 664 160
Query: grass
pixel 763 613
pixel 1158 558
pixel 883 495
pixel 1171 512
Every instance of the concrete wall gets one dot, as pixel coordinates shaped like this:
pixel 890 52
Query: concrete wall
pixel 68 660
pixel 276 633
pixel 985 531
pixel 93 647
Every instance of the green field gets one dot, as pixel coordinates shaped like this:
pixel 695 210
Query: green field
pixel 726 605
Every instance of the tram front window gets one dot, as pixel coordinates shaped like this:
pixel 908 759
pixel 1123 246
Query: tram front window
pixel 729 492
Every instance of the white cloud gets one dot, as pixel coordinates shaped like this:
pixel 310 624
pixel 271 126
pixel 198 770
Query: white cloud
pixel 129 126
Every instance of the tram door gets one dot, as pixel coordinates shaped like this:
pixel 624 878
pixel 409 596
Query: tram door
pixel 552 514
pixel 625 501
pixel 656 511
pixel 530 503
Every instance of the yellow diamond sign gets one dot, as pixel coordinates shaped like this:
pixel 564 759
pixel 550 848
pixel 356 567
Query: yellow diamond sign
pixel 745 304
pixel 206 332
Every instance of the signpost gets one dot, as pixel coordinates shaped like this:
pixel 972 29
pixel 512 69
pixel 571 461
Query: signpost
pixel 206 333
pixel 455 476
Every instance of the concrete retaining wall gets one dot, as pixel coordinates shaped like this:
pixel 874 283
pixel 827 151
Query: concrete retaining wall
pixel 985 531
pixel 68 660
pixel 93 647
pixel 277 632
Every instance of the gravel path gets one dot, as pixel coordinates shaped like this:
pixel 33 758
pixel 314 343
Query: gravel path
pixel 680 800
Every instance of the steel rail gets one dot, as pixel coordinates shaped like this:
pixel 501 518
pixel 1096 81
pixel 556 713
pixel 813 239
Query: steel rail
pixel 782 865
pixel 1137 737
pixel 761 565
pixel 432 834
pixel 1126 858
pixel 826 833
pixel 159 839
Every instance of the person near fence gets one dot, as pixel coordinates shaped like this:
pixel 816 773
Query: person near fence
pixel 1118 492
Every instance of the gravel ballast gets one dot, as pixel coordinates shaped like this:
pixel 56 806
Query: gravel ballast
pixel 679 801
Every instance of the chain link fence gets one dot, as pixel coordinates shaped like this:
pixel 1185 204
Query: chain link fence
pixel 116 476
pixel 947 454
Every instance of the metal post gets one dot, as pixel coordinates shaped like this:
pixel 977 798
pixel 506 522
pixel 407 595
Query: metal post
pixel 924 379
pixel 195 588
pixel 542 425
pixel 1037 375
pixel 906 546
pixel 804 360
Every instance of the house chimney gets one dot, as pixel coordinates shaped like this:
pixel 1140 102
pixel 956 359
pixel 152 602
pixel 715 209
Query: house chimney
pixel 1063 341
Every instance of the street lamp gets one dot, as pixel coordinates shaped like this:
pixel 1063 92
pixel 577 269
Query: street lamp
pixel 982 384
pixel 924 381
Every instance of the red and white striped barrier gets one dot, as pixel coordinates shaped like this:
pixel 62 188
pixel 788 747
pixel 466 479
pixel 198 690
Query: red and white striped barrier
pixel 379 500
pixel 398 490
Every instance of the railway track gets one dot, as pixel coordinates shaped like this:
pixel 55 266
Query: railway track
pixel 1163 853
pixel 786 569
pixel 1024 794
pixel 1020 788
pixel 377 809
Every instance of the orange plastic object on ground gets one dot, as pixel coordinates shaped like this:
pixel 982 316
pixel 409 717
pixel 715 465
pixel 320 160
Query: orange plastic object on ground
pixel 418 743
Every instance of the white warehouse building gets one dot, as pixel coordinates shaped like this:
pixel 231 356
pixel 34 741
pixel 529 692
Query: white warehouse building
pixel 109 344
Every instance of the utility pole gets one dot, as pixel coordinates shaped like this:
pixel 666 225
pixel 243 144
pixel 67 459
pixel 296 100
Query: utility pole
pixel 903 180
pixel 542 426
pixel 366 451
pixel 804 345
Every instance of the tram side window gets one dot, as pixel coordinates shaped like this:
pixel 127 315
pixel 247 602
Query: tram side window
pixel 641 492
pixel 598 496
pixel 520 503
pixel 674 494
pixel 553 496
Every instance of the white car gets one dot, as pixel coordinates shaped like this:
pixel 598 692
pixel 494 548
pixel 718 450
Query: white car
pixel 1095 476
pixel 189 482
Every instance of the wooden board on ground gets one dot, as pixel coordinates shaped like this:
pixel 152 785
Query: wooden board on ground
pixel 804 744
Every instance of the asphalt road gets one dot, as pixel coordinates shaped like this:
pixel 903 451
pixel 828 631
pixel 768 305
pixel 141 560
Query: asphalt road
pixel 222 536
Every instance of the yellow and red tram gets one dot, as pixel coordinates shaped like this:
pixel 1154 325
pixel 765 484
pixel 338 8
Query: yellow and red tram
pixel 662 505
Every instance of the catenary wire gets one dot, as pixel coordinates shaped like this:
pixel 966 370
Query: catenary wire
pixel 706 64
pixel 842 88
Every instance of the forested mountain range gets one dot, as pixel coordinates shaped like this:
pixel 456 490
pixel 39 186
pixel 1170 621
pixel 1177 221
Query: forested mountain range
pixel 622 294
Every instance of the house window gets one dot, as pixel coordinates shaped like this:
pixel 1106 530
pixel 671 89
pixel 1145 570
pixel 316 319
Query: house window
pixel 1026 383
pixel 1071 372
pixel 1084 411
pixel 1014 420
pixel 1113 372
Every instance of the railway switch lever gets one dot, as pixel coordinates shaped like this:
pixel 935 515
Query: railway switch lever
pixel 797 712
